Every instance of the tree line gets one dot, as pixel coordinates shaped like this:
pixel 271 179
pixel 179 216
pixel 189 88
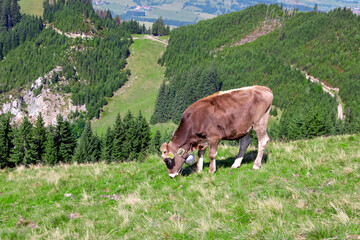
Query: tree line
pixel 200 60
pixel 129 139
pixel 9 14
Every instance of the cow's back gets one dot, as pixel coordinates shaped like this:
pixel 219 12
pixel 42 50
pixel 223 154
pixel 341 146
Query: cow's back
pixel 228 114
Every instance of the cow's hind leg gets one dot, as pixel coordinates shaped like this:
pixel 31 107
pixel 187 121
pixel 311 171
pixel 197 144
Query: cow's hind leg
pixel 212 155
pixel 263 138
pixel 200 163
pixel 244 144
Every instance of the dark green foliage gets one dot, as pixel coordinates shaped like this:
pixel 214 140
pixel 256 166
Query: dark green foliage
pixel 32 51
pixel 128 140
pixel 301 41
pixel 108 145
pixel 72 15
pixel 107 55
pixel 134 27
pixel 28 28
pixel 159 28
pixel 39 138
pixel 119 139
pixel 60 143
pixel 89 147
pixel 9 14
pixel 51 150
pixel 6 141
pixel 156 142
pixel 67 143
pixel 24 147
pixel 143 135
pixel 18 69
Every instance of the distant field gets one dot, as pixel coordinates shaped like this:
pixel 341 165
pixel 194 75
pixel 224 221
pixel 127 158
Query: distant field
pixel 307 189
pixel 146 78
pixel 194 11
pixel 31 7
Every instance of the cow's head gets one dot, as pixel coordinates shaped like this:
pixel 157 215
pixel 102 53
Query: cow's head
pixel 172 160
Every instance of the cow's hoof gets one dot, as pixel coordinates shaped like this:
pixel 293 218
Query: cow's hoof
pixel 235 166
pixel 255 167
pixel 212 171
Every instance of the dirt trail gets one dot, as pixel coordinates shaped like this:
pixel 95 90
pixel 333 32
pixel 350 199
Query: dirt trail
pixel 153 38
pixel 70 35
pixel 330 90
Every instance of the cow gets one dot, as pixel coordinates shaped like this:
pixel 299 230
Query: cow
pixel 228 115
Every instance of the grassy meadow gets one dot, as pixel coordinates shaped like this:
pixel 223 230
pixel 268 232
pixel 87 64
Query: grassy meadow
pixel 145 80
pixel 307 189
pixel 31 7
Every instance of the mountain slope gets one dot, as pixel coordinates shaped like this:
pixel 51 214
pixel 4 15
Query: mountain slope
pixel 307 189
pixel 139 93
pixel 90 68
pixel 206 57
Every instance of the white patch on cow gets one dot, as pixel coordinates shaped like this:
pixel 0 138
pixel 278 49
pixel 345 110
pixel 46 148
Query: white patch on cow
pixel 255 167
pixel 172 175
pixel 237 163
pixel 200 164
pixel 233 90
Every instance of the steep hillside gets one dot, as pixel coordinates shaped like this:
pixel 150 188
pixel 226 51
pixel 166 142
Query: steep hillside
pixel 139 93
pixel 89 68
pixel 307 189
pixel 236 50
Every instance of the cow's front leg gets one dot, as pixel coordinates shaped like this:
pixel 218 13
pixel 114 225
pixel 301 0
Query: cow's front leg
pixel 200 163
pixel 212 155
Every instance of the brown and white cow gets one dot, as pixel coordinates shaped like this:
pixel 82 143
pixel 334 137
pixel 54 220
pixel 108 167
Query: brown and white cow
pixel 226 115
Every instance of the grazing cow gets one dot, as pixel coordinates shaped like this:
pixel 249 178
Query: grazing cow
pixel 226 115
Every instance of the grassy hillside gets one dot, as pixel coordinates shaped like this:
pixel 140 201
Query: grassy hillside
pixel 31 7
pixel 141 90
pixel 305 190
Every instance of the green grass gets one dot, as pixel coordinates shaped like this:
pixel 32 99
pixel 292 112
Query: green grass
pixel 146 78
pixel 31 7
pixel 305 190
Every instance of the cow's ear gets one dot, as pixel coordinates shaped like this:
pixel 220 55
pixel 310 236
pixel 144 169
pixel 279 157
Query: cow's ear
pixel 163 147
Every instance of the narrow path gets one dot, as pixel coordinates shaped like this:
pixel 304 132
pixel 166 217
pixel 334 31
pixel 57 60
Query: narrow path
pixel 69 35
pixel 153 38
pixel 330 90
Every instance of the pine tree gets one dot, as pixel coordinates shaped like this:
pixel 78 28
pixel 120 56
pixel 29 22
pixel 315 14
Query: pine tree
pixel 119 139
pixel 24 150
pixel 89 147
pixel 39 138
pixel 15 12
pixel 51 153
pixel 6 142
pixel 96 148
pixel 160 106
pixel 67 145
pixel 144 135
pixel 130 137
pixel 108 145
pixel 156 142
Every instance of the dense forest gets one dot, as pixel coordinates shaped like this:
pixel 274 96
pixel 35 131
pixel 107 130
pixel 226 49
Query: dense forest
pixel 128 140
pixel 92 68
pixel 204 58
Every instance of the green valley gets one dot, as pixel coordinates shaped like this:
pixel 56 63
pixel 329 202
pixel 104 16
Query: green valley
pixel 139 93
